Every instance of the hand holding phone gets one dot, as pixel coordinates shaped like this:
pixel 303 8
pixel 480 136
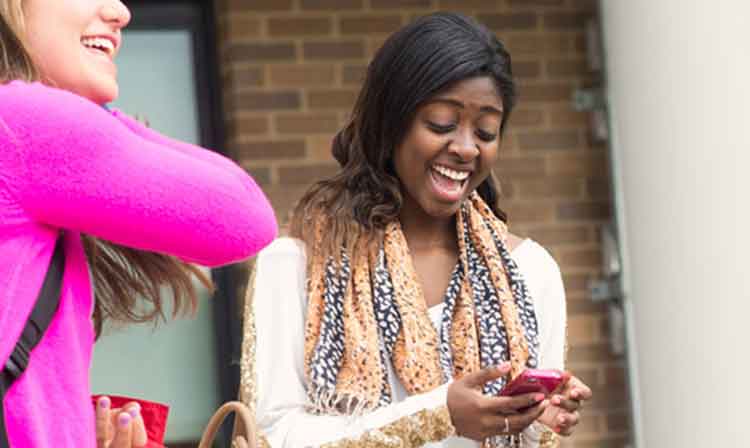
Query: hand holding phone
pixel 477 416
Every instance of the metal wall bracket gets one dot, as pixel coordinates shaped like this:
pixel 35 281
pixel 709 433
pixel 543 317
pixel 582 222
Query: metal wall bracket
pixel 607 289
pixel 588 99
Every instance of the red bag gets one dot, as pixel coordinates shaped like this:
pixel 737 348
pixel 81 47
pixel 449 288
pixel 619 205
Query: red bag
pixel 154 417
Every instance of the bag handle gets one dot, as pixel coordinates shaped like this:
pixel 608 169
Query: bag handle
pixel 245 431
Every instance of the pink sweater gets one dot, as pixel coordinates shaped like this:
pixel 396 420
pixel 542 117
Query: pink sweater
pixel 67 163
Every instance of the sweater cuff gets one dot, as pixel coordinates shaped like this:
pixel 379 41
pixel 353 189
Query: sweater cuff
pixel 429 422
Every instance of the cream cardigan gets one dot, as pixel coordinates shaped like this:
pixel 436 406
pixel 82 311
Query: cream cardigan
pixel 280 304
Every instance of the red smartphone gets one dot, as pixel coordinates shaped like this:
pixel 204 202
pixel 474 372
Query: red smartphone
pixel 545 381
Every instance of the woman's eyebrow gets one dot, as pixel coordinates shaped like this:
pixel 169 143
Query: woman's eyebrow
pixel 459 104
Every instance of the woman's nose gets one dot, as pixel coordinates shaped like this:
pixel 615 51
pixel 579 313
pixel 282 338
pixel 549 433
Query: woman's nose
pixel 116 12
pixel 464 146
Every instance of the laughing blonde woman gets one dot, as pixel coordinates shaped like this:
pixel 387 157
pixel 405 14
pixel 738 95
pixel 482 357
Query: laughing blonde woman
pixel 128 207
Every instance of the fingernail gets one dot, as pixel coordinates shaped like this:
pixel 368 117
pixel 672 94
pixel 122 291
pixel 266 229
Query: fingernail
pixel 134 410
pixel 104 402
pixel 538 397
pixel 556 401
pixel 123 419
pixel 561 420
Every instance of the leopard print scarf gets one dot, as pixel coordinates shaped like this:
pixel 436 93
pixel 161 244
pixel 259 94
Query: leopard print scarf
pixel 365 311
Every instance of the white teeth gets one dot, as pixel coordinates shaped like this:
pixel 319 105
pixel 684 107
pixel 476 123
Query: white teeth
pixel 99 43
pixel 451 174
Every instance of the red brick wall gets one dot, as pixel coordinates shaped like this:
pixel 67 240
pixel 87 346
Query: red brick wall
pixel 292 69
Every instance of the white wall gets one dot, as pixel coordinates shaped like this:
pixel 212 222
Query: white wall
pixel 679 92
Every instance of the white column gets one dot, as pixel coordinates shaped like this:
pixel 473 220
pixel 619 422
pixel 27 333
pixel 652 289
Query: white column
pixel 679 94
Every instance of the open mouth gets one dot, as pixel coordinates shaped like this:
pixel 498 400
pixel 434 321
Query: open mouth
pixel 449 183
pixel 99 45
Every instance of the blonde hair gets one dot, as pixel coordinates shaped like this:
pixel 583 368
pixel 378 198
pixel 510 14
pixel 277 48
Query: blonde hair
pixel 15 61
pixel 125 279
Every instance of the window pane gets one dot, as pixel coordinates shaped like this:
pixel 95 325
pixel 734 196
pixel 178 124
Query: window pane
pixel 174 364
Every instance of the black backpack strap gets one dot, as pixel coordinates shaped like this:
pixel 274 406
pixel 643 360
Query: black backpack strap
pixel 39 319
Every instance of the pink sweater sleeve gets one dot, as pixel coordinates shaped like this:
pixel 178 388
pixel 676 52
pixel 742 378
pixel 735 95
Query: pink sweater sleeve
pixel 151 135
pixel 79 167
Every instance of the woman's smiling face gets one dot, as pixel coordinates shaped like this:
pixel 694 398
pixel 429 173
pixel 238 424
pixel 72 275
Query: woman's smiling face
pixel 450 146
pixel 74 43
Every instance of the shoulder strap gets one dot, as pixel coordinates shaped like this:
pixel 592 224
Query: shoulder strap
pixel 39 319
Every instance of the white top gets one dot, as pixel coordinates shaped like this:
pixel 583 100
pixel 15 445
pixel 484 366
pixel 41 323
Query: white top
pixel 280 303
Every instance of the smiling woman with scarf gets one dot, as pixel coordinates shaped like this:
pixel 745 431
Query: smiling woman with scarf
pixel 402 305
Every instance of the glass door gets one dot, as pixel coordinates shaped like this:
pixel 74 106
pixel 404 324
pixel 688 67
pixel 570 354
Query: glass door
pixel 165 77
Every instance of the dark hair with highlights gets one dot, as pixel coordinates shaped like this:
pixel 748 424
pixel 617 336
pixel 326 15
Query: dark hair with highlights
pixel 418 61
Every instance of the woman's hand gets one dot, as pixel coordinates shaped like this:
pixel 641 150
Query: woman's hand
pixel 562 415
pixel 119 427
pixel 477 416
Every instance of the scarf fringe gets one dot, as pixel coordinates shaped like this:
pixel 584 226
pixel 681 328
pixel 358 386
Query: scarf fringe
pixel 323 401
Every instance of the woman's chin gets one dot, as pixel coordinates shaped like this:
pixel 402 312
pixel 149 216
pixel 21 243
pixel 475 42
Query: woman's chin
pixel 108 95
pixel 102 92
pixel 441 210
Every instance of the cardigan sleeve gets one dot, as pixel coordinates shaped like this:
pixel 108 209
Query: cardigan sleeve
pixel 71 164
pixel 549 298
pixel 279 302
pixel 542 275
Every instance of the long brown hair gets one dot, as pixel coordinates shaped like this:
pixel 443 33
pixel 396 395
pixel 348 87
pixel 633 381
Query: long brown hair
pixel 127 282
pixel 414 64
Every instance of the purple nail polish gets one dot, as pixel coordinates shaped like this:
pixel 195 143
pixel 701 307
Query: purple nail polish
pixel 104 402
pixel 134 411
pixel 123 419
